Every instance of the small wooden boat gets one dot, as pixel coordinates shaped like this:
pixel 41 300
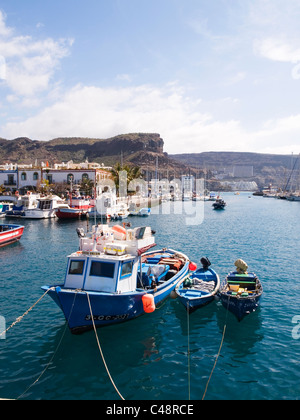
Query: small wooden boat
pixel 10 234
pixel 241 291
pixel 199 288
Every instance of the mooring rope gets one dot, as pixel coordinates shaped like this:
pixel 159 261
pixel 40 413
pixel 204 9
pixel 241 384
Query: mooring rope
pixel 189 353
pixel 219 352
pixel 27 312
pixel 100 349
pixel 56 350
pixel 216 361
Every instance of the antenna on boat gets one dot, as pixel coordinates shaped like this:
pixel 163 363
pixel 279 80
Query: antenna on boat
pixel 87 223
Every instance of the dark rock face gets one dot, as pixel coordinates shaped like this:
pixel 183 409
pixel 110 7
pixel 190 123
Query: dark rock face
pixel 24 150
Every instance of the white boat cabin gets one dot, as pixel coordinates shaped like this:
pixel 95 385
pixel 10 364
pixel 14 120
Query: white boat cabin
pixel 108 259
pixel 106 274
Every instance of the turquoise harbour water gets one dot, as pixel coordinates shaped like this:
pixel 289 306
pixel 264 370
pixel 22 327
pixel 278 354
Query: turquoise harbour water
pixel 148 357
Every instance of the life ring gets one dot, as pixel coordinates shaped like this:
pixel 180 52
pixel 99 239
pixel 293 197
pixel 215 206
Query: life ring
pixel 17 193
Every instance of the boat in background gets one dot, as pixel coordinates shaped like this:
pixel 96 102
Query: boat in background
pixel 106 207
pixel 135 210
pixel 294 196
pixel 77 207
pixel 10 234
pixel 241 292
pixel 46 208
pixel 199 288
pixel 4 208
pixel 25 202
pixel 219 204
pixel 117 273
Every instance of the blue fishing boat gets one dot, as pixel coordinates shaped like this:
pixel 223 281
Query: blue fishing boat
pixel 241 292
pixel 199 288
pixel 115 271
pixel 5 207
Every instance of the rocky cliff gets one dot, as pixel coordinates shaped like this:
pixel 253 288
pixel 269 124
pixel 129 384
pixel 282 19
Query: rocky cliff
pixel 24 150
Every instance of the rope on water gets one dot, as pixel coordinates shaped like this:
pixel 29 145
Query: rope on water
pixel 27 312
pixel 55 352
pixel 219 352
pixel 189 353
pixel 100 349
pixel 218 355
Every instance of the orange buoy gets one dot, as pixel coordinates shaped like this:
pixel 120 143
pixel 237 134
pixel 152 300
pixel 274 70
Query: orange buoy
pixel 148 303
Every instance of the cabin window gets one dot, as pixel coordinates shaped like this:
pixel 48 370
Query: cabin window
pixel 76 267
pixel 127 269
pixel 102 269
pixel 45 205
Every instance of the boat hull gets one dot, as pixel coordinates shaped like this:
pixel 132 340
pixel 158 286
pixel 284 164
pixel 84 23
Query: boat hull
pixel 71 213
pixel 192 298
pixel 40 214
pixel 239 306
pixel 107 309
pixel 10 234
pixel 245 301
pixel 192 305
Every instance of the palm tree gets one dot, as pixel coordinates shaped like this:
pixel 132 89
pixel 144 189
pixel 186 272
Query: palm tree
pixel 133 172
pixel 87 186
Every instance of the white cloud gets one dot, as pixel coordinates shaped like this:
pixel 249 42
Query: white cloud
pixel 30 64
pixel 4 30
pixel 278 49
pixel 89 111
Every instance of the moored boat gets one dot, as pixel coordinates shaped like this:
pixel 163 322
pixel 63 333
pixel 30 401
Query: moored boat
pixel 77 207
pixel 25 202
pixel 115 270
pixel 241 292
pixel 199 288
pixel 46 208
pixel 4 208
pixel 135 210
pixel 107 207
pixel 219 204
pixel 10 234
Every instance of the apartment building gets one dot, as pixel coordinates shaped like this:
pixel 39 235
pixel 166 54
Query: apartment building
pixel 14 177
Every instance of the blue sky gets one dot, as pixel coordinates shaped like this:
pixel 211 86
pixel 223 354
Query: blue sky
pixel 207 75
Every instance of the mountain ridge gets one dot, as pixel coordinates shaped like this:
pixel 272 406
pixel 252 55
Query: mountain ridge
pixel 145 150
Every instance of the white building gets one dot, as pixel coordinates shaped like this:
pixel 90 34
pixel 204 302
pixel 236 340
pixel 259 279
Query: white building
pixel 188 183
pixel 28 177
pixel 9 178
pixel 14 178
